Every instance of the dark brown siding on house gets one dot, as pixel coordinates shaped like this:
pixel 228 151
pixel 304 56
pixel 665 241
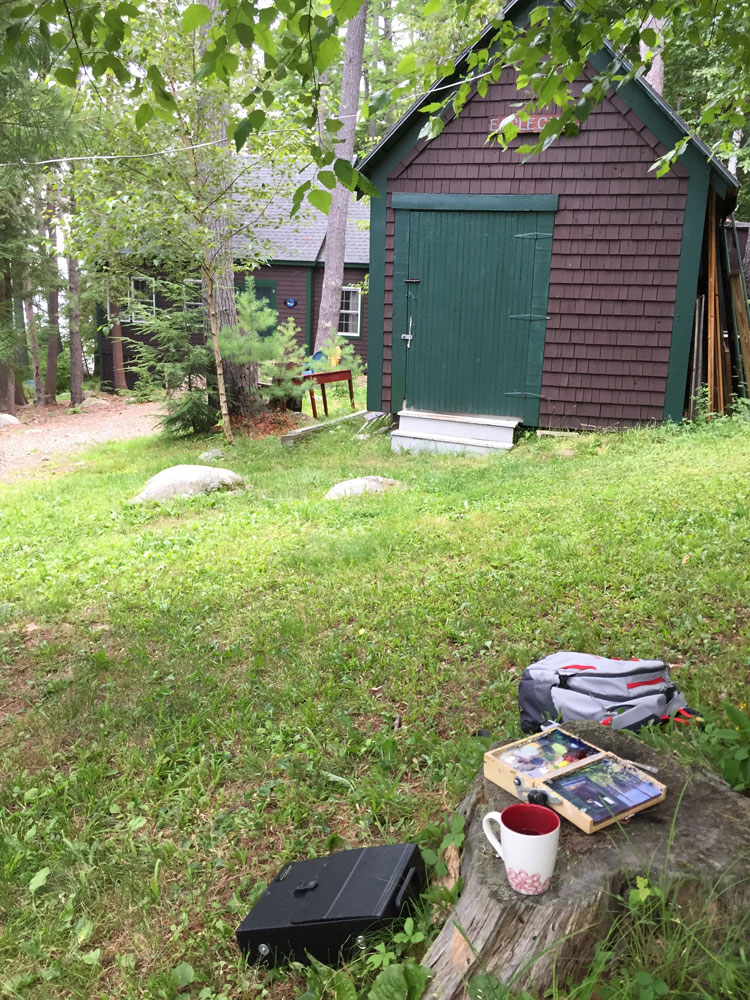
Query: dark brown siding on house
pixel 352 276
pixel 291 283
pixel 615 256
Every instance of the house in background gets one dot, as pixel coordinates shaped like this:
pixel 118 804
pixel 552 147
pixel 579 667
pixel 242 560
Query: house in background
pixel 559 291
pixel 291 280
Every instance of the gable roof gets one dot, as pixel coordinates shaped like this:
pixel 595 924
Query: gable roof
pixel 516 9
pixel 300 239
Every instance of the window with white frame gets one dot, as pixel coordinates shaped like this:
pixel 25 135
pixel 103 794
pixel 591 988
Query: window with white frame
pixel 193 293
pixel 351 311
pixel 141 299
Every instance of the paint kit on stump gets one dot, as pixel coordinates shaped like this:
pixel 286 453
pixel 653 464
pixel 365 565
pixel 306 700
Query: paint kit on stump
pixel 587 785
pixel 321 906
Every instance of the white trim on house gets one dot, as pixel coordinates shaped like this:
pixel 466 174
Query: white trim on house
pixel 351 318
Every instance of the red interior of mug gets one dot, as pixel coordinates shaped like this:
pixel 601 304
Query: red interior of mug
pixel 530 819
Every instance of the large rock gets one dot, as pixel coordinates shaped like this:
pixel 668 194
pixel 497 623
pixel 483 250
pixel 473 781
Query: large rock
pixel 698 839
pixel 188 481
pixel 92 402
pixel 8 420
pixel 213 455
pixel 363 484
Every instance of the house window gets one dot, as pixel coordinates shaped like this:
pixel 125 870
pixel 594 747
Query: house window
pixel 265 291
pixel 351 311
pixel 193 292
pixel 141 299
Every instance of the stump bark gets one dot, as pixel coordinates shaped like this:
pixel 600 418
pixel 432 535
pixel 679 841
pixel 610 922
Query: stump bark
pixel 699 838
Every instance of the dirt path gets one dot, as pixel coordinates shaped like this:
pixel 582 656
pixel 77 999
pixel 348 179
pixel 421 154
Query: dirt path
pixel 54 432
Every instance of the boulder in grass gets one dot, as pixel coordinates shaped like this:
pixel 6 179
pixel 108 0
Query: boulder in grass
pixel 363 484
pixel 213 455
pixel 188 481
pixel 8 420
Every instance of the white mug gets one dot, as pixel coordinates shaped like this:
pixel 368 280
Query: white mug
pixel 528 845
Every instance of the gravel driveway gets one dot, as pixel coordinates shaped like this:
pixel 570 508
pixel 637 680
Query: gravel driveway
pixel 54 432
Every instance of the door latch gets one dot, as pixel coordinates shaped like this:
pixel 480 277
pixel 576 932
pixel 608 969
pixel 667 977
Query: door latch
pixel 407 336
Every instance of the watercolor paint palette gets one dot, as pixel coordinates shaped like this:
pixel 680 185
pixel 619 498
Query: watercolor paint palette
pixel 587 785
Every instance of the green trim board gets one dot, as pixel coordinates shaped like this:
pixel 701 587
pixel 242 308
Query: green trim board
pixel 693 224
pixel 308 309
pixel 477 202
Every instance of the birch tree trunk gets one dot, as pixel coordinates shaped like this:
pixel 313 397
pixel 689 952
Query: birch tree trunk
pixel 54 344
pixel 333 274
pixel 240 380
pixel 655 75
pixel 74 325
pixel 33 339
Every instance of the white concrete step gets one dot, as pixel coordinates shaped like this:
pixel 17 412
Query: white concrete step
pixel 453 432
pixel 404 441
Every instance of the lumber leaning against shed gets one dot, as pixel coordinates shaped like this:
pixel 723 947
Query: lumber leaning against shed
pixel 698 839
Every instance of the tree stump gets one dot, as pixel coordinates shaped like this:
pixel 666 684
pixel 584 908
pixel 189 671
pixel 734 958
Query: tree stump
pixel 699 838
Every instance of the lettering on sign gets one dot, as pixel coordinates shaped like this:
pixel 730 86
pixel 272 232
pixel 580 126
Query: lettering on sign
pixel 534 123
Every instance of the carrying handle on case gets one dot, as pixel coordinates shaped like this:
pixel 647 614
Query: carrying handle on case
pixel 404 888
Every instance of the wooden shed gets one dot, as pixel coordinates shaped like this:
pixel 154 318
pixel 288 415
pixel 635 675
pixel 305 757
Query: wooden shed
pixel 558 292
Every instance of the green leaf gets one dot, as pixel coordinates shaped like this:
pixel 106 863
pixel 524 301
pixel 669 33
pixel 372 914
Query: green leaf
pixel 183 975
pixel 252 123
pixel 143 115
pixel 390 984
pixel 328 178
pixel 343 10
pixel 66 76
pixel 327 52
pixel 407 65
pixel 195 16
pixel 346 173
pixel 343 987
pixel 39 880
pixel 431 7
pixel 486 987
pixel 91 957
pixel 245 34
pixel 428 109
pixel 84 929
pixel 265 39
pixel 416 979
pixel 320 199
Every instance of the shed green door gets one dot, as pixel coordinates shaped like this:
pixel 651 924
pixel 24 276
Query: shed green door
pixel 471 288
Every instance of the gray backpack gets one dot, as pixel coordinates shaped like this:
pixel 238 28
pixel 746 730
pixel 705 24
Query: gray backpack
pixel 624 694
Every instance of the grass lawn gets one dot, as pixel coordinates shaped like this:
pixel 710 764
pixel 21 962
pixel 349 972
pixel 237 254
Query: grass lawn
pixel 192 694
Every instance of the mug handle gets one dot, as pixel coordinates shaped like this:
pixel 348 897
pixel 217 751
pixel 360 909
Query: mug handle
pixel 488 819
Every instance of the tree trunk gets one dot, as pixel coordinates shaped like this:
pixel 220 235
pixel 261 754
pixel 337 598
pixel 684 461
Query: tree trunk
pixel 691 843
pixel 333 274
pixel 241 381
pixel 213 321
pixel 74 326
pixel 7 375
pixel 33 338
pixel 115 336
pixel 54 344
pixel 655 75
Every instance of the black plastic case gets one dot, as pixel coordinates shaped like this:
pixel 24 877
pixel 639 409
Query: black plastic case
pixel 320 906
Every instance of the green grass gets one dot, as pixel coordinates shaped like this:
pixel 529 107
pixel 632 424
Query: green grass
pixel 195 693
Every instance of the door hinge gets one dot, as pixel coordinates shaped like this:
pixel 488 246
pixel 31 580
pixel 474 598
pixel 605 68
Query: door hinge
pixel 533 236
pixel 528 316
pixel 412 281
